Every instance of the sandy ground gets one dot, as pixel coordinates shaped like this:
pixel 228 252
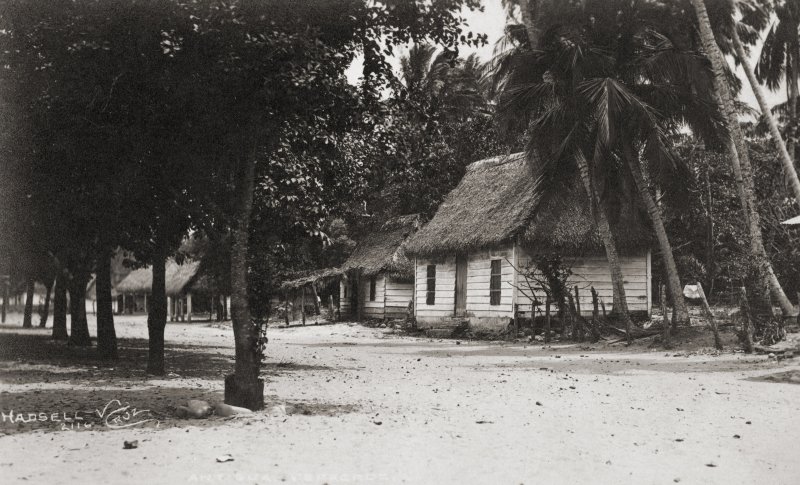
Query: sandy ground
pixel 369 406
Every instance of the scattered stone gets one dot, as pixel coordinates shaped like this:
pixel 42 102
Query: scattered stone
pixel 226 410
pixel 378 422
pixel 538 403
pixel 711 464
pixel 130 445
pixel 194 409
pixel 737 436
pixel 224 458
pixel 277 410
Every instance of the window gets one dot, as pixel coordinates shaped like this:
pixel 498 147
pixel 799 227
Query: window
pixel 372 283
pixel 494 283
pixel 430 297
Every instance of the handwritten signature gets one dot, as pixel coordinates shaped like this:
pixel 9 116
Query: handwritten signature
pixel 121 417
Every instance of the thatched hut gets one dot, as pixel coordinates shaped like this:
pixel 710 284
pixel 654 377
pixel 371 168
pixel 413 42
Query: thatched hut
pixel 378 277
pixel 468 257
pixel 183 282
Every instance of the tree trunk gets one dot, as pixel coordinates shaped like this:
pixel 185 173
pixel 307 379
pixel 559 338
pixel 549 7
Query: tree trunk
pixel 243 388
pixel 673 279
pixel 791 101
pixel 106 335
pixel 4 289
pixel 157 314
pixel 788 164
pixel 27 318
pixel 60 308
pixel 599 213
pixel 665 336
pixel 45 313
pixel 738 154
pixel 530 12
pixel 79 327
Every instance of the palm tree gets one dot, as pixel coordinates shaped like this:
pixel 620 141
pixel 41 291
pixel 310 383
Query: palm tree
pixel 786 159
pixel 780 59
pixel 603 96
pixel 737 151
pixel 517 64
pixel 440 85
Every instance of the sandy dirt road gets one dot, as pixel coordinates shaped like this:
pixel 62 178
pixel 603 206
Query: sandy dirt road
pixel 369 406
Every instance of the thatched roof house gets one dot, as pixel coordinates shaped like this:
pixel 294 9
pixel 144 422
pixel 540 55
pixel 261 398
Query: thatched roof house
pixel 383 251
pixel 498 201
pixel 179 279
pixel 378 276
pixel 468 256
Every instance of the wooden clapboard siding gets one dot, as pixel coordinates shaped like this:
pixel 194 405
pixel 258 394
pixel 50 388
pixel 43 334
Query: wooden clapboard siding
pixel 344 297
pixel 588 271
pixel 479 275
pixel 398 296
pixel 593 271
pixel 445 288
pixel 372 309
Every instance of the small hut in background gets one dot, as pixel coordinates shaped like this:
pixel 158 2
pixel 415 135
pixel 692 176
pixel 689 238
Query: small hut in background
pixel 378 279
pixel 308 293
pixel 189 292
pixel 468 257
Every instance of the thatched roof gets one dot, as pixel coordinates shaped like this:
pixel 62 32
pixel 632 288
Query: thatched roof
pixel 383 249
pixel 305 278
pixel 498 200
pixel 179 278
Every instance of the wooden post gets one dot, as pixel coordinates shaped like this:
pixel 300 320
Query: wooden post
pixel 595 316
pixel 169 309
pixel 188 307
pixel 124 306
pixel 665 332
pixel 516 320
pixel 286 307
pixel 579 315
pixel 603 306
pixel 747 334
pixel 711 320
pixel 316 302
pixel 358 294
pixel 303 304
pixel 547 320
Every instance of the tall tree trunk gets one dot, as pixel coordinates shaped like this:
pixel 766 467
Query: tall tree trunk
pixel 157 313
pixel 673 279
pixel 791 101
pixel 5 283
pixel 45 313
pixel 787 161
pixel 27 318
pixel 106 335
pixel 60 308
pixel 530 14
pixel 79 327
pixel 736 148
pixel 599 213
pixel 243 388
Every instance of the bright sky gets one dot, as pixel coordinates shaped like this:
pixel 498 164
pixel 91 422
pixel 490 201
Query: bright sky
pixel 492 22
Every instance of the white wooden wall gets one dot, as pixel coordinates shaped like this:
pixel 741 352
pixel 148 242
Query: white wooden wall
pixel 372 309
pixel 398 296
pixel 478 278
pixel 587 272
pixel 344 297
pixel 593 270
pixel 444 305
